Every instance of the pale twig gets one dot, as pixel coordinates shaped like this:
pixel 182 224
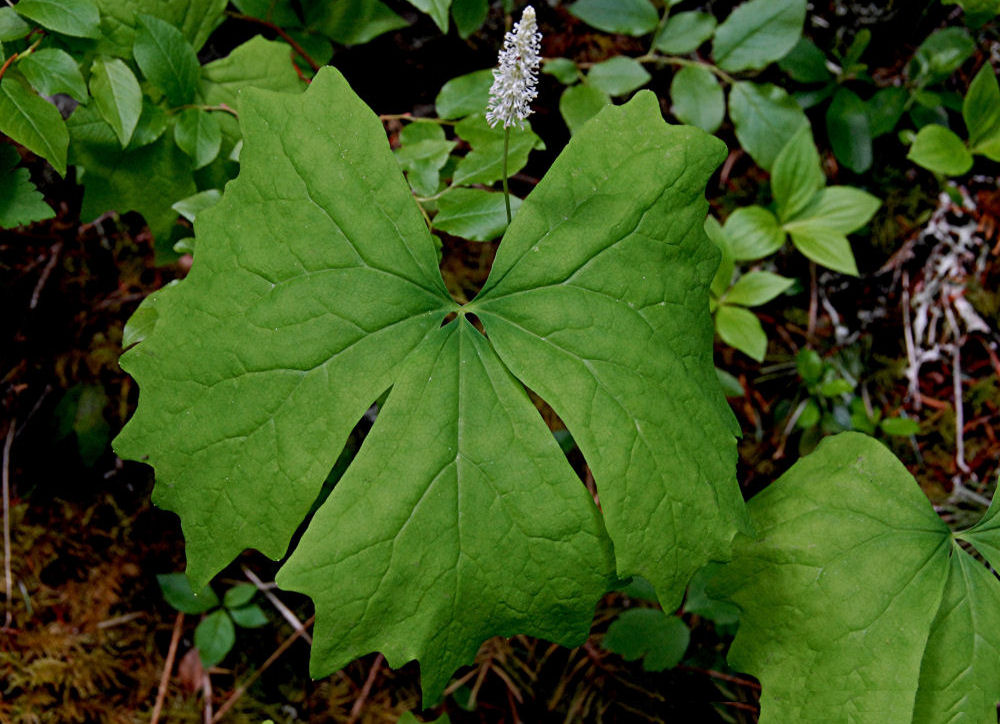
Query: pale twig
pixel 119 620
pixel 56 249
pixel 359 703
pixel 285 612
pixel 206 691
pixel 7 578
pixel 168 666
pixel 242 688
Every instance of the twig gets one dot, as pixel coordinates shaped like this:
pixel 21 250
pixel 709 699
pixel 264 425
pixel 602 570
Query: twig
pixel 242 688
pixel 18 56
pixel 365 690
pixel 956 381
pixel 284 36
pixel 206 690
pixel 168 665
pixel 7 578
pixel 813 305
pixel 722 677
pixel 285 612
pixel 119 620
pixel 49 266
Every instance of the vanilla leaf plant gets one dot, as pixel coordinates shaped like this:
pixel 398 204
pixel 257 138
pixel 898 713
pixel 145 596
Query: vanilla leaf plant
pixel 315 289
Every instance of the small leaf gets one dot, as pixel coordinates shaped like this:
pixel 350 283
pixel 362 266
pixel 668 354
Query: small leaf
pixel 33 122
pixel 52 71
pixel 177 591
pixel 648 633
pixel 437 9
pixel 724 274
pixel 797 175
pixel 940 55
pixel 753 233
pixel 698 601
pixel 563 70
pixel 152 124
pixel 618 76
pixel 11 25
pixel 469 15
pixel 900 426
pixel 78 18
pixel 352 22
pixel 731 386
pixel 214 637
pixel 844 209
pixel 756 288
pixel 884 109
pixel 464 95
pixel 251 616
pixel 765 118
pixel 805 63
pixel 757 33
pixel 191 206
pixel 740 329
pixel 239 595
pixel 167 60
pixel 849 130
pixel 579 103
pixel 685 32
pixel 631 17
pixel 938 149
pixel 698 98
pixel 20 202
pixel 825 247
pixel 117 96
pixel 474 214
pixel 199 135
pixel 484 163
pixel 835 388
pixel 981 111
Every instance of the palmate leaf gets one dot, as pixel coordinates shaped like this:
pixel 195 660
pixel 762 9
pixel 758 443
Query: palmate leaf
pixel 857 602
pixel 315 289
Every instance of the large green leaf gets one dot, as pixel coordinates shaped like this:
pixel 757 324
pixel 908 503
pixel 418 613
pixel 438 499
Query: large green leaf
pixel 117 96
pixel 765 119
pixel 196 19
pixel 981 111
pixel 32 121
pixel 78 18
pixel 52 71
pixel 148 179
pixel 883 617
pixel 315 288
pixel 167 59
pixel 758 32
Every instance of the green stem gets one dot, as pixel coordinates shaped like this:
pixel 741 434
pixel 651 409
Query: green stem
pixel 506 191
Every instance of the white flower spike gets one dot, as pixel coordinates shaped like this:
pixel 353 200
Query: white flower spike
pixel 515 78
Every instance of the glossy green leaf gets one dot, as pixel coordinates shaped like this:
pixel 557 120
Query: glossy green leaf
pixel 618 76
pixel 352 22
pixel 843 209
pixel 685 32
pixel 117 96
pixel 883 615
pixel 631 17
pixel 52 71
pixel 757 287
pixel 251 616
pixel 757 33
pixel 20 202
pixel 239 595
pixel 826 247
pixel 697 98
pixel 849 130
pixel 214 637
pixel 12 27
pixel 797 175
pixel 437 9
pixel 753 233
pixel 940 55
pixel 177 591
pixel 257 63
pixel 32 121
pixel 474 214
pixel 78 18
pixel 199 135
pixel 563 70
pixel 316 288
pixel 469 15
pixel 464 94
pixel 579 103
pixel 981 111
pixel 938 149
pixel 648 634
pixel 166 59
pixel 740 329
pixel 148 179
pixel 805 63
pixel 196 19
pixel 765 118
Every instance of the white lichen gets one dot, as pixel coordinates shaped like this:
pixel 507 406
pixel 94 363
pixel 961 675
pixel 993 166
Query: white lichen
pixel 516 76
